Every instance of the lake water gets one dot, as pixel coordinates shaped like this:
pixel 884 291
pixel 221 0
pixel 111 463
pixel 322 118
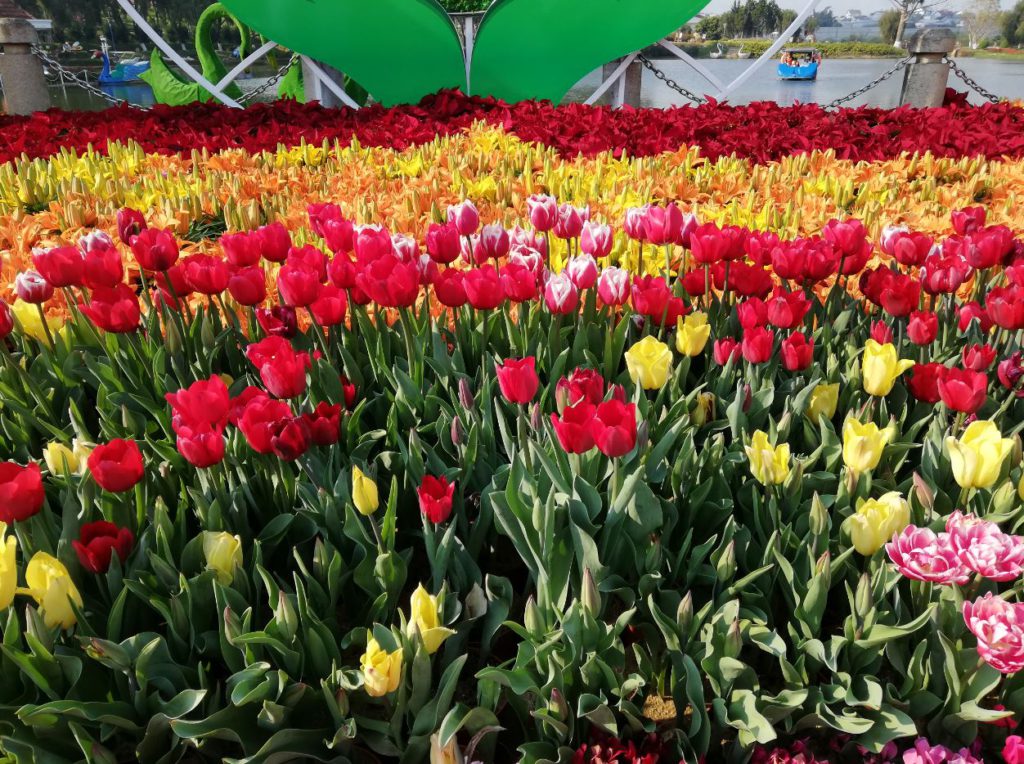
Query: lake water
pixel 836 78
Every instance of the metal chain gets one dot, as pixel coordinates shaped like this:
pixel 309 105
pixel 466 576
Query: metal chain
pixel 276 78
pixel 81 81
pixel 671 83
pixel 969 81
pixel 874 83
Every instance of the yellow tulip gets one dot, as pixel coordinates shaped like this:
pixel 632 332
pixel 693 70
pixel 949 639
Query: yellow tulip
pixel 877 520
pixel 423 617
pixel 769 464
pixel 880 366
pixel 50 585
pixel 223 554
pixel 692 333
pixel 8 567
pixel 364 493
pixel 382 671
pixel 823 401
pixel 31 324
pixel 60 459
pixel 81 450
pixel 863 445
pixel 650 363
pixel 977 457
pixel 449 754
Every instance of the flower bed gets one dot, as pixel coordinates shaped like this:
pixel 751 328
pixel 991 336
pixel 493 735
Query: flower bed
pixel 760 131
pixel 480 450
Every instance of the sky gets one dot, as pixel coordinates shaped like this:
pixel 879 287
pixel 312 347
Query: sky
pixel 840 7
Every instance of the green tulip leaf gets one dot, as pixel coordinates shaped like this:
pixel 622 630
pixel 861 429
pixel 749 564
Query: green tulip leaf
pixel 541 48
pixel 399 50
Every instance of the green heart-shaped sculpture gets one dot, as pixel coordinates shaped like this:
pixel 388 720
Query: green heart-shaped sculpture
pixel 541 48
pixel 399 50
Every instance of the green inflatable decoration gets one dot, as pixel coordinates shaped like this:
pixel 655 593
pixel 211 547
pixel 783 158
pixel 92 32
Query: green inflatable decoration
pixel 401 50
pixel 169 88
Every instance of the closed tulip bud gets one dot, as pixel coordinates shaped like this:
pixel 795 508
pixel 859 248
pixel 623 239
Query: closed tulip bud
pixel 285 616
pixel 725 567
pixel 207 333
pixel 876 520
pixel 223 554
pixel 819 520
pixel 684 614
pixel 692 334
pixel 557 705
pixel 172 338
pixel 448 754
pixel 823 402
pixel 769 464
pixel 476 602
pixel 649 363
pixel 863 445
pixel 532 619
pixel 60 460
pixel 823 567
pixel 880 368
pixel 643 435
pixel 466 398
pixel 132 422
pixel 977 456
pixel 863 600
pixel 590 597
pixel 458 431
pixel 364 493
pixel 536 417
pixel 925 493
pixel 733 640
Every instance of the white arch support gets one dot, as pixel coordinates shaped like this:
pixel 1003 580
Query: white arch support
pixel 612 79
pixel 324 81
pixel 244 64
pixel 172 54
pixel 702 70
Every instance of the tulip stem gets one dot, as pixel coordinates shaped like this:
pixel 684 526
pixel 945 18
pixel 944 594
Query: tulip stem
pixel 46 326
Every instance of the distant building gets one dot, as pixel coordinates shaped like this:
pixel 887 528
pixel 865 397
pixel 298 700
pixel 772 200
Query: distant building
pixel 11 10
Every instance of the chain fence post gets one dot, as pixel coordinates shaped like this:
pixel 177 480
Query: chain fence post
pixel 630 85
pixel 21 73
pixel 924 83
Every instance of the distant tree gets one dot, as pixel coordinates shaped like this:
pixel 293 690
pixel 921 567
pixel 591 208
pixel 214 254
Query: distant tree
pixel 981 20
pixel 1013 25
pixel 788 17
pixel 710 28
pixel 889 24
pixel 907 9
pixel 810 25
pixel 825 17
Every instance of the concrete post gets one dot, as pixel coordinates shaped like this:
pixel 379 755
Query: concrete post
pixel 627 90
pixel 924 83
pixel 21 73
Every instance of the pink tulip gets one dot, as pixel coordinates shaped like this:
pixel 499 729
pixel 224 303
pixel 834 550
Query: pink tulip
pixel 582 270
pixel 999 628
pixel 634 223
pixel 521 237
pixel 663 225
pixel 596 240
pixel 494 242
pixel 465 217
pixel 923 555
pixel 570 221
pixel 983 548
pixel 405 247
pixel 543 211
pixel 560 294
pixel 614 286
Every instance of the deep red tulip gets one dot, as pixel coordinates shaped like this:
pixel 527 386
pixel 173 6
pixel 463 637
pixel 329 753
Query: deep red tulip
pixel 6 320
pixel 749 280
pixel 259 421
pixel 797 352
pixel 574 428
pixel 758 246
pixel 116 466
pixel 923 381
pixel 242 249
pixel 281 367
pixel 61 266
pixel 910 248
pixel 614 427
pixel 114 309
pixel 435 495
pixel 922 327
pixel 275 242
pixel 324 423
pixel 97 542
pixel 205 404
pixel 248 286
pixel 758 344
pixel 517 378
pixel 155 249
pixel 21 491
pixel 279 321
pixel 1010 372
pixel 202 447
pixel 130 223
pixel 290 438
pixel 652 298
pixel 850 239
pixel 963 389
pixel 483 287
pixel 725 350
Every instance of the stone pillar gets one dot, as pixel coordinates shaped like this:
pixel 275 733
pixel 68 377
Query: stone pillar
pixel 627 90
pixel 924 83
pixel 21 73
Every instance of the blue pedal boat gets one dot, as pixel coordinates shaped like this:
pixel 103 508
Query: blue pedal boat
pixel 799 64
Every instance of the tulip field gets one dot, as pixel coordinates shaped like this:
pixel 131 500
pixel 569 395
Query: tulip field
pixel 470 432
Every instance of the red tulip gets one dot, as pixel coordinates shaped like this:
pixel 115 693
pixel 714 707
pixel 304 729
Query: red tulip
pixel 279 321
pixel 963 389
pixel 172 286
pixel 518 283
pixel 130 223
pixel 752 312
pixel 389 282
pixel 155 249
pixel 6 320
pixel 786 310
pixel 909 248
pixel 465 217
pixel 324 423
pixel 614 428
pixel 114 309
pixel 349 390
pixel 758 246
pixel 61 266
pixel 652 298
pixel 725 350
pixel 574 428
pixel 1005 307
pixel 978 357
pixel 242 249
pixel 443 243
pixel 483 287
pixel 329 308
pixel 298 285
pixel 663 225
pixel 97 542
pixel 942 274
pixel 1010 372
pixel 102 267
pixel 259 421
pixel 757 344
pixel 543 212
pixel 202 447
pixel 450 288
pixel 881 332
pixel 850 238
pixel 206 274
pixel 205 404
pixel 972 311
pixel 116 466
pixel 797 352
pixel 581 385
pixel 281 367
pixel 240 401
pixel 517 378
pixel 21 491
pixel 371 242
pixel 750 280
pixel 248 286
pixel 697 283
pixel 923 381
pixel 32 287
pixel 968 220
pixel 435 495
pixel 987 248
pixel 275 242
pixel 709 244
pixel 922 327
pixel 289 438
pixel 319 213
